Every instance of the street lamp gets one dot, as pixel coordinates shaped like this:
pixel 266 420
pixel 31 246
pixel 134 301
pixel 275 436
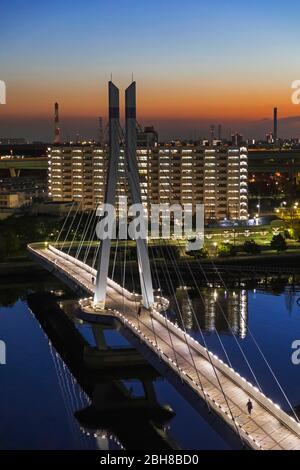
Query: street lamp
pixel 258 205
pixel 295 209
pixel 258 209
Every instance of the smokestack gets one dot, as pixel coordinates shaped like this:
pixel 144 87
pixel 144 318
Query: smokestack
pixel 212 134
pixel 275 125
pixel 100 130
pixel 56 124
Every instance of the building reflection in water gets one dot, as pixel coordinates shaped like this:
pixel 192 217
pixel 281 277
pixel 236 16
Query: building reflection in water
pixel 216 309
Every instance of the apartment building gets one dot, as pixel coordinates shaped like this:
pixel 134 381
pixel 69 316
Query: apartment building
pixel 11 200
pixel 77 173
pixel 214 176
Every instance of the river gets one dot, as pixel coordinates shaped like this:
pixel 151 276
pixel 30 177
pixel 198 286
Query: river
pixel 44 401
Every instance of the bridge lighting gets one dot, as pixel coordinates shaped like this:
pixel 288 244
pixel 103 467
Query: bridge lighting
pixel 46 254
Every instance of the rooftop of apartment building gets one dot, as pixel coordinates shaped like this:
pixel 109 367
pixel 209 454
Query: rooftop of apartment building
pixel 162 145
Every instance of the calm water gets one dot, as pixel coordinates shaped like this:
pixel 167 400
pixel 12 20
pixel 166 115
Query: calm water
pixel 50 402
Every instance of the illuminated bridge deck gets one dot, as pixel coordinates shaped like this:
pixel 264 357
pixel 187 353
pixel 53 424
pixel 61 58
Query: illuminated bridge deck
pixel 267 428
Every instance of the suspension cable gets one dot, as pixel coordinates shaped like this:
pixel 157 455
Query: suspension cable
pixel 177 271
pixel 75 233
pixel 91 236
pixel 65 221
pixel 167 326
pixel 85 232
pixel 264 358
pixel 224 316
pixel 71 225
pixel 211 362
pixel 252 336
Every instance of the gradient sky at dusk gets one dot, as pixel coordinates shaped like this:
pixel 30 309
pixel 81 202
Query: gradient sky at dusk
pixel 195 62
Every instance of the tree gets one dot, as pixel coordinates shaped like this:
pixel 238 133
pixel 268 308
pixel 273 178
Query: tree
pixel 202 253
pixel 17 232
pixel 294 230
pixel 296 233
pixel 278 243
pixel 226 249
pixel 251 247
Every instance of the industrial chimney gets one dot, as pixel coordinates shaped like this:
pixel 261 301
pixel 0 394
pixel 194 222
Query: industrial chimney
pixel 212 134
pixel 56 124
pixel 100 130
pixel 275 125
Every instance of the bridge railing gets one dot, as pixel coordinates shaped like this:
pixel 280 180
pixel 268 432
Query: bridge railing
pixel 36 247
pixel 229 372
pixel 114 285
pixel 219 409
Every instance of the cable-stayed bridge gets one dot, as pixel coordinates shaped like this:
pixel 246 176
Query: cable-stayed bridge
pixel 205 380
pixel 201 376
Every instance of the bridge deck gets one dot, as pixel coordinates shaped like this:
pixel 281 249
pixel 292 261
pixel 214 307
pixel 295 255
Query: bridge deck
pixel 267 427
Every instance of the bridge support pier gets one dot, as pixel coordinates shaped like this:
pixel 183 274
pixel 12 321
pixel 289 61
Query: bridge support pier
pixel 110 195
pixel 98 332
pixel 133 178
pixel 149 391
pixel 132 174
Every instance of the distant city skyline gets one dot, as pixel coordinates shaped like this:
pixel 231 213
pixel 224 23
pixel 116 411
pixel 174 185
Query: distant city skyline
pixel 195 64
pixel 86 128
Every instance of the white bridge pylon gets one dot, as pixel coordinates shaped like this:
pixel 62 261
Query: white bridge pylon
pixel 132 174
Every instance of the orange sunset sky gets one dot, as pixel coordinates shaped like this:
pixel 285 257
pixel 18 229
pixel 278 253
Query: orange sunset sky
pixel 195 65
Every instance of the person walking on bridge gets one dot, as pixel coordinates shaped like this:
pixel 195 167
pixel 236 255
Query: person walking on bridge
pixel 249 406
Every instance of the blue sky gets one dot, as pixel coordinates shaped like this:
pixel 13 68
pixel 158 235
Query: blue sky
pixel 194 60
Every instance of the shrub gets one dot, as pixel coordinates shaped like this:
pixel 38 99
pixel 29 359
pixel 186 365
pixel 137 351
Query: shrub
pixel 251 247
pixel 278 243
pixel 202 253
pixel 226 249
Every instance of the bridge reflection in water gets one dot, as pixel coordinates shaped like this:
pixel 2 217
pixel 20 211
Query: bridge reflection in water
pixel 115 401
